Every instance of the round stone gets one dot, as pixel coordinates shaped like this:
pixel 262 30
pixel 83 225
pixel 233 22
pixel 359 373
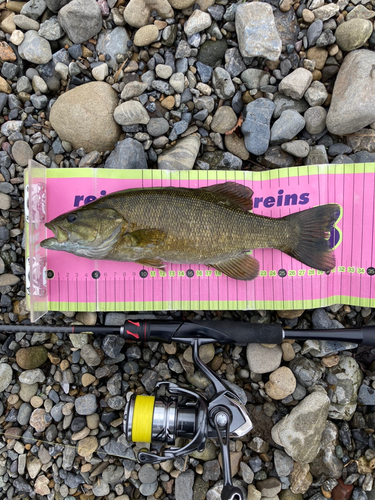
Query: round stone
pixel 87 446
pixel 353 34
pixel 163 71
pixel 308 16
pixel 87 379
pixel 35 49
pixel 297 148
pixel 131 113
pixel 84 117
pixel 263 359
pixel 147 474
pixel 281 383
pixel 146 35
pixel 32 376
pixel 29 358
pixel 40 419
pixel 168 102
pixel 22 153
pixel 224 119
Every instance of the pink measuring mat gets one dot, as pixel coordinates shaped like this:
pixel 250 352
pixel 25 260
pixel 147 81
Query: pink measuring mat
pixel 76 284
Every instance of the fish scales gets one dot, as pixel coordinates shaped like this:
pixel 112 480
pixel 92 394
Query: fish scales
pixel 195 224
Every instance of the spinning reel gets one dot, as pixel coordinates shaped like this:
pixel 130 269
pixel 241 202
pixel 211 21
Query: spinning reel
pixel 187 414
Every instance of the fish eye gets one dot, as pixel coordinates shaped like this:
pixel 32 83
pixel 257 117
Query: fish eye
pixel 71 217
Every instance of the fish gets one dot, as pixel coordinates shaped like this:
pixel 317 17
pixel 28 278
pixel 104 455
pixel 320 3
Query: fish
pixel 212 225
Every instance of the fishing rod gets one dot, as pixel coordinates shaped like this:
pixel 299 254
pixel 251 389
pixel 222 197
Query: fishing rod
pixel 186 413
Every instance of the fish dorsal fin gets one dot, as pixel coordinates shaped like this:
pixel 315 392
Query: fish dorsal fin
pixel 232 193
pixel 145 237
pixel 244 267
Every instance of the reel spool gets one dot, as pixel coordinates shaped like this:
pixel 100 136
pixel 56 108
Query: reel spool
pixel 188 414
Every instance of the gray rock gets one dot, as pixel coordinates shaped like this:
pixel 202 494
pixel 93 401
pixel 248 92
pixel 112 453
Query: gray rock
pixel 115 319
pixel 314 31
pixel 300 431
pixel 286 127
pixel 326 38
pixel 56 5
pixel 283 102
pixel 233 61
pixel 113 42
pixel 131 113
pixel 222 83
pixel 317 156
pixel 148 489
pixel 6 375
pixel 315 119
pixel 219 160
pixel 366 395
pixel 255 78
pixel 32 376
pixel 269 487
pixel 34 9
pixel 25 23
pixel 297 148
pixel 51 29
pixel 353 34
pixel 56 412
pixel 149 380
pixel 256 127
pixel 89 355
pixel 128 153
pixel 353 99
pixel 147 474
pixel 344 398
pixel 198 21
pixel 256 31
pixel 9 71
pixel 316 94
pixel 133 89
pixel 80 19
pixel 112 344
pixel 283 463
pixel 342 159
pixel 321 348
pixel 296 83
pixel 101 488
pixel 306 371
pixel 263 359
pixel 212 52
pixel 211 470
pixel 182 156
pixel 24 413
pixel 339 149
pixel 35 49
pixel 184 485
pixel 157 127
pixel 86 405
pixel 113 474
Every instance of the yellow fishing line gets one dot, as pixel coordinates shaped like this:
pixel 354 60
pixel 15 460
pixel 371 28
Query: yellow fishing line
pixel 142 419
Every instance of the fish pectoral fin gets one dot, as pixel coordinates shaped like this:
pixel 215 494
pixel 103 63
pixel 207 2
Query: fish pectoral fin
pixel 244 267
pixel 158 263
pixel 233 193
pixel 146 237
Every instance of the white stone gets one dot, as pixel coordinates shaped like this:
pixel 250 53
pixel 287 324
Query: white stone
pixel 100 72
pixel 296 83
pixel 17 37
pixel 197 22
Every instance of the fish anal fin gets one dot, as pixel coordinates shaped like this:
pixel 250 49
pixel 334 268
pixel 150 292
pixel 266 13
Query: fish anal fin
pixel 244 267
pixel 233 193
pixel 158 263
pixel 146 237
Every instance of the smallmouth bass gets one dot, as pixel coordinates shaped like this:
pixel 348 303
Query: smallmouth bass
pixel 211 226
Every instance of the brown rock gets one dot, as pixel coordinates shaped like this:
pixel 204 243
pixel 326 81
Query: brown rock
pixel 286 5
pixel 300 478
pixel 87 379
pixel 319 55
pixel 291 314
pixel 87 446
pixel 281 383
pixel 41 486
pixel 6 52
pixel 236 146
pixel 329 361
pixel 29 358
pixel 84 117
pixel 342 491
pixel 168 102
pixel 40 420
pixel 7 23
pixel 4 86
pixel 288 351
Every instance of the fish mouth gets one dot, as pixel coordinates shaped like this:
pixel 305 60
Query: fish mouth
pixel 61 237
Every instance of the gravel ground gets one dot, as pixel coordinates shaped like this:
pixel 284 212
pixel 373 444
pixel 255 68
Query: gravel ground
pixel 232 85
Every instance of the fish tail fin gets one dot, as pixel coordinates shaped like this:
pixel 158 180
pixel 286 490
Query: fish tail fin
pixel 313 227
